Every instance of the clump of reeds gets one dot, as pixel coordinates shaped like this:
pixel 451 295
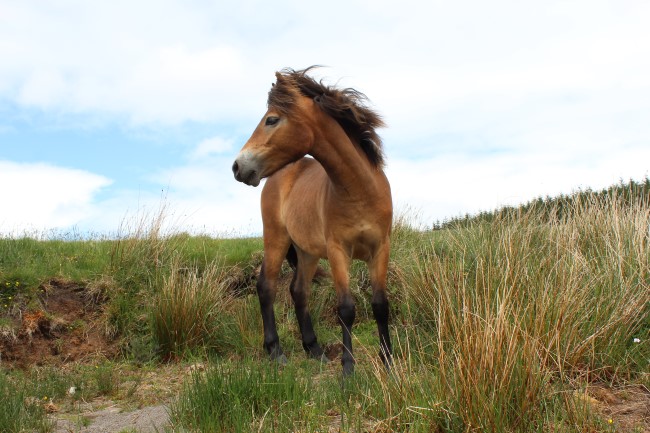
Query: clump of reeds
pixel 507 309
pixel 188 310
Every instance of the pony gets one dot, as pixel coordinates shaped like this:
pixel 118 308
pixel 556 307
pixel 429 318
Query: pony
pixel 334 204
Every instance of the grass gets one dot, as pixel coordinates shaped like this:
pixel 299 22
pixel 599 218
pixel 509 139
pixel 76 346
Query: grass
pixel 236 397
pixel 500 323
pixel 188 311
pixel 18 412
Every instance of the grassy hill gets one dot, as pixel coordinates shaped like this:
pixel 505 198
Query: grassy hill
pixel 563 206
pixel 535 318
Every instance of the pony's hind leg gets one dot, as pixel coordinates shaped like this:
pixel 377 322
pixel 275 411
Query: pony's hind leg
pixel 266 290
pixel 300 285
pixel 378 270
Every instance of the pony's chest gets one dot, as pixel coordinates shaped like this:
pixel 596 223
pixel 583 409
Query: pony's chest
pixel 363 240
pixel 359 237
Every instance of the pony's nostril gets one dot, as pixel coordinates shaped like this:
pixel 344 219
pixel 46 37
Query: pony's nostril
pixel 235 168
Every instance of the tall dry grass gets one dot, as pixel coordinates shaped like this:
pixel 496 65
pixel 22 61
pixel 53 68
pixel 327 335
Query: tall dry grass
pixel 141 242
pixel 188 312
pixel 504 314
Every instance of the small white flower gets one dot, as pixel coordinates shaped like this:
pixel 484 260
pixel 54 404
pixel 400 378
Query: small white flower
pixel 636 340
pixel 72 390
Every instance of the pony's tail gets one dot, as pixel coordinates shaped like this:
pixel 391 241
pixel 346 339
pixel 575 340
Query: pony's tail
pixel 292 258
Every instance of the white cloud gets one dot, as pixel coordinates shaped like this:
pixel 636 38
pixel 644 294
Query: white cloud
pixel 487 103
pixel 211 147
pixel 204 196
pixel 175 61
pixel 149 62
pixel 41 196
pixel 455 184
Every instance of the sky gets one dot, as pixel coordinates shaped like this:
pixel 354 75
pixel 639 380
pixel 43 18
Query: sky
pixel 112 111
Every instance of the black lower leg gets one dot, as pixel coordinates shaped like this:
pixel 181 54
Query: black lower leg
pixel 309 340
pixel 271 339
pixel 346 312
pixel 380 310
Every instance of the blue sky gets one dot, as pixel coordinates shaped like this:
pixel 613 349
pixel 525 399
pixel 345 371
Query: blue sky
pixel 110 110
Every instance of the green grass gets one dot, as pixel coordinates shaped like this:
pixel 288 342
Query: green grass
pixel 19 410
pixel 232 398
pixel 189 310
pixel 302 396
pixel 497 322
pixel 31 261
pixel 24 396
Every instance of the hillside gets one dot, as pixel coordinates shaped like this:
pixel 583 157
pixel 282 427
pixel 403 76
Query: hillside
pixel 562 206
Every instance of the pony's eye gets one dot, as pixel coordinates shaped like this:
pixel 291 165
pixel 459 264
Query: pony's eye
pixel 271 120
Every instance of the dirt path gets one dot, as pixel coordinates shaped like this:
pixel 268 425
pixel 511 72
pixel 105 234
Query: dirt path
pixel 112 419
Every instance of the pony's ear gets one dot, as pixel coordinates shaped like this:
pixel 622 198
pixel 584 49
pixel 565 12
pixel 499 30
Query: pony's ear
pixel 287 83
pixel 282 81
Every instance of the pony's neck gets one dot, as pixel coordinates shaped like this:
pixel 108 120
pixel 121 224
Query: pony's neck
pixel 346 165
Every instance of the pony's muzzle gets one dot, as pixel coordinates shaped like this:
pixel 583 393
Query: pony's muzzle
pixel 245 171
pixel 235 170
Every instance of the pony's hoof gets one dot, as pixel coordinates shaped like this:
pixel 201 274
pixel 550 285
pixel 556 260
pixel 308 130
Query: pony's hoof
pixel 318 355
pixel 281 360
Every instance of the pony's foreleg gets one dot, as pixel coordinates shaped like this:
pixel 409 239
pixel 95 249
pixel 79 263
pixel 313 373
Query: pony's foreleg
pixel 266 295
pixel 304 273
pixel 378 271
pixel 340 263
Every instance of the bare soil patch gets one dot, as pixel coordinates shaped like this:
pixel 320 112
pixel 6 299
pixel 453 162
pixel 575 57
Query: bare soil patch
pixel 627 408
pixel 114 419
pixel 65 323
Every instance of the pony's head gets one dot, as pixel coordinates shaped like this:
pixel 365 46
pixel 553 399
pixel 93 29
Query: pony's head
pixel 286 132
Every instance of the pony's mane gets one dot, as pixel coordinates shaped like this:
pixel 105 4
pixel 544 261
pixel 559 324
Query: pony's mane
pixel 347 106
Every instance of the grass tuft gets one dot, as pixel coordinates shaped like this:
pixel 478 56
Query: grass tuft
pixel 188 312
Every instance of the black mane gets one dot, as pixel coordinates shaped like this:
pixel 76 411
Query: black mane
pixel 346 106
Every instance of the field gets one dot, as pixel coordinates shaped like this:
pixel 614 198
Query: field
pixel 527 319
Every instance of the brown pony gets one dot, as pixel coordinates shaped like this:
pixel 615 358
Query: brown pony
pixel 336 206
